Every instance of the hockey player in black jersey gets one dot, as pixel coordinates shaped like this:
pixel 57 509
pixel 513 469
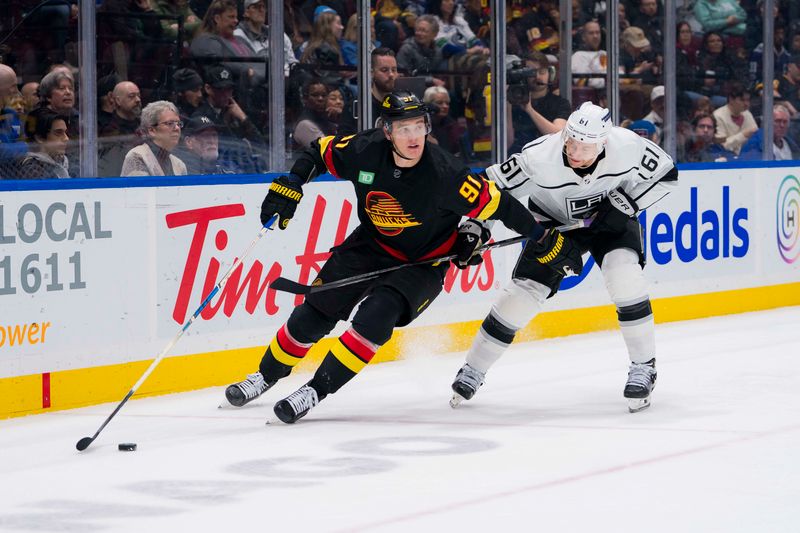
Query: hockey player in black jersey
pixel 411 196
pixel 589 169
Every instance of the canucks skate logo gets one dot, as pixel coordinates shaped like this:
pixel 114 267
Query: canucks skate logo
pixel 387 214
pixel 788 218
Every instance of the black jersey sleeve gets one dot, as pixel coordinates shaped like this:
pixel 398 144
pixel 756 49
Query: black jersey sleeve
pixel 328 154
pixel 479 197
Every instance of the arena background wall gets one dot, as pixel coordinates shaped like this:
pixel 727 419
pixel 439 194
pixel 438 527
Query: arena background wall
pixel 96 276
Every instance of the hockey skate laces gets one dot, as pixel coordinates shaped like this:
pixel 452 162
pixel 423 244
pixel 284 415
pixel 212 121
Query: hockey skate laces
pixel 252 386
pixel 471 377
pixel 641 375
pixel 302 399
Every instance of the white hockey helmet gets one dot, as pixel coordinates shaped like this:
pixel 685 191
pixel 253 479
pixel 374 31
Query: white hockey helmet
pixel 589 123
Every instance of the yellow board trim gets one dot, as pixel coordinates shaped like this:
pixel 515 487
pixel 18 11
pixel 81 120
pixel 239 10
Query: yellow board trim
pixel 282 356
pixel 347 358
pixel 22 395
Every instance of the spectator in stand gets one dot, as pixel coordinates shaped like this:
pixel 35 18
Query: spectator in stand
pixel 177 8
pixel 735 122
pixel 724 16
pixel 590 59
pixel 47 135
pixel 188 91
pixel 478 18
pixel 789 83
pixel 57 93
pixel 161 126
pixel 200 150
pixel 120 134
pixel 325 35
pixel 128 34
pixel 314 122
pixel 656 114
pixel 54 19
pixel 334 107
pixel 254 30
pixel 241 144
pixel 349 42
pixel 784 147
pixel 419 54
pixel 703 147
pixel 638 59
pixel 384 75
pixel 295 23
pixel 445 130
pixel 216 40
pixel 717 68
pixel 459 45
pixel 30 93
pixel 754 33
pixel 644 128
pixel 105 100
pixel 11 144
pixel 781 55
pixel 543 112
pixel 650 19
pixel 687 42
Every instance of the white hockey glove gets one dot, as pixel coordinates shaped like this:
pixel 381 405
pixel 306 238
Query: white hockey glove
pixel 614 212
pixel 471 236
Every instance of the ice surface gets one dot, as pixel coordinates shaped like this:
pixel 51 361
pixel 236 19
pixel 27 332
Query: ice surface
pixel 546 445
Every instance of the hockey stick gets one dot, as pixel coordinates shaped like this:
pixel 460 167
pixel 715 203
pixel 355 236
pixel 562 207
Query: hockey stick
pixel 287 285
pixel 86 441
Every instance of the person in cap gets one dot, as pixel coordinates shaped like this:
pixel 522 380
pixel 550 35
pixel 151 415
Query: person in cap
pixel 656 114
pixel 411 197
pixel 233 124
pixel 638 58
pixel 254 30
pixel 188 91
pixel 200 147
pixel 105 99
pixel 589 170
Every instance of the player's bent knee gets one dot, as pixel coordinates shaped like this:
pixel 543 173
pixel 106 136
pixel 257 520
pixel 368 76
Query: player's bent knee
pixel 378 315
pixel 624 277
pixel 307 324
pixel 521 300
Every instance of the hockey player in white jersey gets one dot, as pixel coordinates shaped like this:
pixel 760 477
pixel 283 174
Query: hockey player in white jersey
pixel 589 169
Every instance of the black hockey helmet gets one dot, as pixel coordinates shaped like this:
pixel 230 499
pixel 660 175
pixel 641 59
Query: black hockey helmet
pixel 399 105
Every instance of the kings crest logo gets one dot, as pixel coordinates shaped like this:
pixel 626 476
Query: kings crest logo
pixel 387 214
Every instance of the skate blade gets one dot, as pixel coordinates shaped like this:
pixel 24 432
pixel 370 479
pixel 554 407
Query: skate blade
pixel 638 404
pixel 456 400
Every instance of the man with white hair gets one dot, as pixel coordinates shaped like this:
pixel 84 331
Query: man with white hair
pixel 590 169
pixel 783 146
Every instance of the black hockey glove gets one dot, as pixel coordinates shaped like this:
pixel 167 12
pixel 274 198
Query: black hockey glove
pixel 558 252
pixel 282 199
pixel 471 235
pixel 614 212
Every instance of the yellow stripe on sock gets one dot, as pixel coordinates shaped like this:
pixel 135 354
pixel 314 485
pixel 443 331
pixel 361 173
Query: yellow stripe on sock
pixel 282 356
pixel 346 357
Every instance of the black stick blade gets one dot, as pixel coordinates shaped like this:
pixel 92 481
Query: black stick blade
pixel 84 443
pixel 287 285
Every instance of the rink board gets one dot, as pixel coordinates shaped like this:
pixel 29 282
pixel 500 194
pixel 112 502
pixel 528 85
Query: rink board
pixel 96 277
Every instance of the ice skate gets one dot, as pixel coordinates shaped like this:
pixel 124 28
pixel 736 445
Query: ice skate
pixel 296 405
pixel 466 384
pixel 248 390
pixel 641 382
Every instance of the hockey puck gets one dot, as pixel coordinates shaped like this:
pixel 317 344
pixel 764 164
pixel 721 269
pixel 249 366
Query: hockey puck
pixel 127 447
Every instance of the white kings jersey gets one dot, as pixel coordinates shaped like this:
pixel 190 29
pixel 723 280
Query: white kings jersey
pixel 557 193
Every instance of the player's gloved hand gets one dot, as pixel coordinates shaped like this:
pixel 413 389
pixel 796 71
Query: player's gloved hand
pixel 614 212
pixel 558 252
pixel 282 199
pixel 471 235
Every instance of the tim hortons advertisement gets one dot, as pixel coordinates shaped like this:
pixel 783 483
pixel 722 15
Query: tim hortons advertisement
pixel 100 276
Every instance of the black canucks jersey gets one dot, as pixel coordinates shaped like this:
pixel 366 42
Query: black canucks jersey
pixel 410 213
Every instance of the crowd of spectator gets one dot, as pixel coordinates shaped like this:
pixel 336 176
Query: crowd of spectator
pixel 183 84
